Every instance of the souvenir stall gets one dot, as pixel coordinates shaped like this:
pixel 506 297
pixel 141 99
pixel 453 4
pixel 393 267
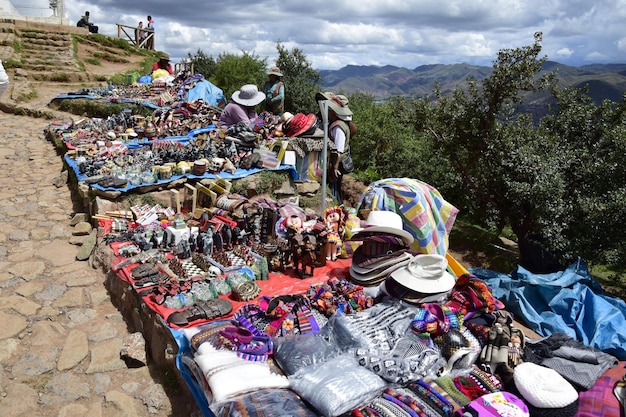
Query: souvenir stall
pixel 276 310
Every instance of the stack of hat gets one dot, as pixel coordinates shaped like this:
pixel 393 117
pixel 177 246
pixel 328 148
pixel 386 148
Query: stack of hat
pixel 424 279
pixel 385 248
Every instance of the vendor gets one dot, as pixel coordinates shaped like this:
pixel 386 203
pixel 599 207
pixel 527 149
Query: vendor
pixel 164 64
pixel 243 106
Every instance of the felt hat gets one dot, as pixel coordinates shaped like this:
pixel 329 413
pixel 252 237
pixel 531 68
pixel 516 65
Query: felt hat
pixel 248 95
pixel 400 292
pixel 338 103
pixel 165 57
pixel 383 222
pixel 425 273
pixel 299 124
pixel 275 71
pixel 545 390
pixel 376 272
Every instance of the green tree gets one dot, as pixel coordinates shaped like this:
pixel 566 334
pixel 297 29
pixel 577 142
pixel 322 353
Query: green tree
pixel 203 64
pixel 233 71
pixel 301 80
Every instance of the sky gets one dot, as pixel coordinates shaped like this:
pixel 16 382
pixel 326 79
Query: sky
pixel 336 33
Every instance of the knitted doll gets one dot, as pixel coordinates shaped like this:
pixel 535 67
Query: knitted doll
pixel 334 219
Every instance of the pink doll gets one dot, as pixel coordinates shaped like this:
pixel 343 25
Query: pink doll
pixel 334 219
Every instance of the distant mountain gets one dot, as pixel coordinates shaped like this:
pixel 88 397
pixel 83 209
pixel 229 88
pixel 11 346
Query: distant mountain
pixel 605 81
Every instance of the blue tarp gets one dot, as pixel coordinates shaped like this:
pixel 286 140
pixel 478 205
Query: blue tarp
pixel 570 301
pixel 206 91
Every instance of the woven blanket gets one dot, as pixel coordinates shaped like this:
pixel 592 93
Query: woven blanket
pixel 425 213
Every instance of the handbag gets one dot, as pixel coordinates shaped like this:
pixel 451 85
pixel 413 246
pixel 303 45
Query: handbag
pixel 347 165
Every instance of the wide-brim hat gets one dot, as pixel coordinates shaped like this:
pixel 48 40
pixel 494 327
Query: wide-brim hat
pixel 384 222
pixel 299 124
pixel 425 273
pixel 338 103
pixel 248 95
pixel 395 290
pixel 165 57
pixel 275 71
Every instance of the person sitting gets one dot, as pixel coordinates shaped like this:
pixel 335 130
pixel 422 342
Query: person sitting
pixel 85 23
pixel 242 108
pixel 164 64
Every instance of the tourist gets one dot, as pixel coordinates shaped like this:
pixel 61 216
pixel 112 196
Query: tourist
pixel 4 79
pixel 85 23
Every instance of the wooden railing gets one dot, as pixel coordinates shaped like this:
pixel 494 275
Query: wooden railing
pixel 133 37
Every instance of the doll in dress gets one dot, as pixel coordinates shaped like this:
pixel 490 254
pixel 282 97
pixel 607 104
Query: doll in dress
pixel 334 218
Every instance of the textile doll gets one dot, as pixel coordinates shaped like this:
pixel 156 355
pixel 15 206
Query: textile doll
pixel 335 221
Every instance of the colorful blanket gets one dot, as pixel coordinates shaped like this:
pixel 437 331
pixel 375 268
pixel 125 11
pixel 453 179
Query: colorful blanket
pixel 425 213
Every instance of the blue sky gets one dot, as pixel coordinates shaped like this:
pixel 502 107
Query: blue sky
pixel 335 33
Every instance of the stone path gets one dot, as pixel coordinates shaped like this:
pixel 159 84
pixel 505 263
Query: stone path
pixel 61 335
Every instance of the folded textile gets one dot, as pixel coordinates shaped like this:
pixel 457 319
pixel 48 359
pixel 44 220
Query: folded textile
pixel 337 385
pixel 271 402
pixel 580 365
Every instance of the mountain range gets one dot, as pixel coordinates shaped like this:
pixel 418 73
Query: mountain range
pixel 604 81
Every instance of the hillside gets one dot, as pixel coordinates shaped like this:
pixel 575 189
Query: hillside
pixel 45 60
pixel 604 81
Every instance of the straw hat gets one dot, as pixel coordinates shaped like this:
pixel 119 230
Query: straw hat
pixel 383 222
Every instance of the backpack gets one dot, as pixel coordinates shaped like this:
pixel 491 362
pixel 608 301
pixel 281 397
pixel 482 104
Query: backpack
pixel 350 123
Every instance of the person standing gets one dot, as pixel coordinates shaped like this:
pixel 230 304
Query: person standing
pixel 340 130
pixel 150 34
pixel 274 90
pixel 140 34
pixel 242 108
pixel 4 79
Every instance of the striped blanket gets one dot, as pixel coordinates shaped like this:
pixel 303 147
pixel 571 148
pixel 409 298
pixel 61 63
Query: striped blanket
pixel 425 214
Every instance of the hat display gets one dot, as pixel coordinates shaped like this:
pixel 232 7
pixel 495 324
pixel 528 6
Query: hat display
pixel 275 71
pixel 248 95
pixel 384 222
pixel 544 389
pixel 400 292
pixel 299 124
pixel 425 273
pixel 378 272
pixel 338 103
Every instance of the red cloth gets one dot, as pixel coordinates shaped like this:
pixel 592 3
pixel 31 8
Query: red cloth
pixel 169 67
pixel 286 283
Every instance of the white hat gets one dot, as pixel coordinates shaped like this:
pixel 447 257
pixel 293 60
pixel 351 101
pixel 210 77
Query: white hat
pixel 543 387
pixel 425 273
pixel 248 95
pixel 384 222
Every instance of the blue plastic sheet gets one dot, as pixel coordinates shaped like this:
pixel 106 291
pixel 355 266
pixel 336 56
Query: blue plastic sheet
pixel 569 301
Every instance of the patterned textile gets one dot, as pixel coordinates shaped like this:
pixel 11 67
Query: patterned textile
pixel 600 401
pixel 271 402
pixel 425 214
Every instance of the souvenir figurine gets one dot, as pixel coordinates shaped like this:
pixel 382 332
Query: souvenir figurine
pixel 334 219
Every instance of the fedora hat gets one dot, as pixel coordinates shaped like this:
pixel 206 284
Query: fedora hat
pixel 248 95
pixel 426 274
pixel 275 71
pixel 338 103
pixel 165 57
pixel 395 290
pixel 383 222
pixel 299 124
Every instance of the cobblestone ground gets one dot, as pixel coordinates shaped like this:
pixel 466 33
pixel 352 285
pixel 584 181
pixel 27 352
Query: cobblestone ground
pixel 61 335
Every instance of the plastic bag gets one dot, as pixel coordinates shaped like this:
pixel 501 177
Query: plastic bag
pixel 294 352
pixel 337 385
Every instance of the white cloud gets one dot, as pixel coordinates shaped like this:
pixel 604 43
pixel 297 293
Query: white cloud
pixel 333 33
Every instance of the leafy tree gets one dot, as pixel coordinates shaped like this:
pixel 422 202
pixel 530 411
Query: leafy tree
pixel 301 80
pixel 559 185
pixel 233 71
pixel 203 64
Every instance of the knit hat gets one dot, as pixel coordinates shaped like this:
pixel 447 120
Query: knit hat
pixel 545 390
